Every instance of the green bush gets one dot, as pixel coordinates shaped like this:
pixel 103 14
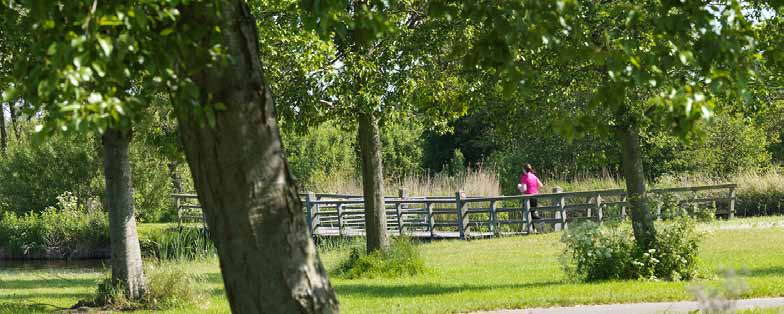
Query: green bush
pixel 34 175
pixel 168 286
pixel 152 187
pixel 724 136
pixel 401 259
pixel 62 231
pixel 323 152
pixel 605 252
pixel 402 148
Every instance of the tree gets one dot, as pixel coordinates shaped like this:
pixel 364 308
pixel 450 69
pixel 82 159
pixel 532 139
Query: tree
pixel 3 135
pixel 387 65
pixel 58 86
pixel 636 62
pixel 115 57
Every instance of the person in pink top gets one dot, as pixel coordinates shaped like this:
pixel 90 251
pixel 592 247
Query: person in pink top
pixel 529 185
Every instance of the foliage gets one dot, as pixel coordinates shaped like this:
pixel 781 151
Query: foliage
pixel 731 144
pixel 98 65
pixel 324 152
pixel 401 259
pixel 457 164
pixel 188 242
pixel 151 185
pixel 401 148
pixel 66 230
pixel 168 287
pixel 34 175
pixel 604 252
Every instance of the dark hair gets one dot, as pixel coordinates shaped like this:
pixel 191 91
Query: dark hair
pixel 528 168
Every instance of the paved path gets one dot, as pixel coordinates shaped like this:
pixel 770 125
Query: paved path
pixel 640 308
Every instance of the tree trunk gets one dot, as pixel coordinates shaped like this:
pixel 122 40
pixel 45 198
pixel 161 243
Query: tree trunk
pixel 256 220
pixel 126 254
pixel 642 219
pixel 14 117
pixel 372 183
pixel 3 134
pixel 176 181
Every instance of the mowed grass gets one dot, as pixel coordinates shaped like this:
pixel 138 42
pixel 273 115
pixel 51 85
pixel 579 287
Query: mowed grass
pixel 514 272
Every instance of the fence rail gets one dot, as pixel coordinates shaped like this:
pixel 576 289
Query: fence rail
pixel 464 216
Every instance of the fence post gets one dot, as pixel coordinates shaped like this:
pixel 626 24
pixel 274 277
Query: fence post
pixel 310 213
pixel 179 214
pixel 339 207
pixel 402 194
pixel 462 217
pixel 431 223
pixel 561 212
pixel 623 206
pixel 599 208
pixel 732 202
pixel 527 215
pixel 494 219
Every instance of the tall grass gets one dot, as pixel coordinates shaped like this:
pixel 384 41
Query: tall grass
pixel 478 182
pixel 174 243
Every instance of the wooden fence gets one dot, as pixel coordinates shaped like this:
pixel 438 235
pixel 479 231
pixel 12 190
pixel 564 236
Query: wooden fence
pixel 464 216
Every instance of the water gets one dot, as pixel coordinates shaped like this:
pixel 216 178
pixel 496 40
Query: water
pixel 72 265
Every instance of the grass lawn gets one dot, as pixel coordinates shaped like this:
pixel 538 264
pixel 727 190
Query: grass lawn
pixel 515 272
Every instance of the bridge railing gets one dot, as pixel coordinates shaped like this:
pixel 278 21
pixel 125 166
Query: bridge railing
pixel 465 216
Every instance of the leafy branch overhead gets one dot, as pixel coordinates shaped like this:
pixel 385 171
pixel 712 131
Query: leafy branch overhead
pixel 93 65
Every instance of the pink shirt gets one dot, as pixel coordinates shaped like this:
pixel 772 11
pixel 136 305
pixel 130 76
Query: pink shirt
pixel 532 183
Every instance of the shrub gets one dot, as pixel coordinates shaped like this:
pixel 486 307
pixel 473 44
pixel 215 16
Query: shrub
pixel 151 184
pixel 725 135
pixel 400 260
pixel 603 252
pixel 594 252
pixel 168 286
pixel 33 176
pixel 63 231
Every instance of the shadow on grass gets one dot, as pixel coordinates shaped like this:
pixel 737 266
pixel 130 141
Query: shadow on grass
pixel 774 271
pixel 21 284
pixel 14 308
pixel 32 297
pixel 384 291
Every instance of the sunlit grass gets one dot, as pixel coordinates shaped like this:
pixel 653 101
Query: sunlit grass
pixel 514 272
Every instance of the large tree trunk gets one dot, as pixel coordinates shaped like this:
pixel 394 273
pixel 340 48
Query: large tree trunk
pixel 3 134
pixel 372 183
pixel 256 220
pixel 642 219
pixel 126 254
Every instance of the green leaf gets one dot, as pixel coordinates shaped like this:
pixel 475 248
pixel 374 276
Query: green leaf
pixel 106 45
pixel 99 68
pixel 167 31
pixel 109 21
pixel 52 49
